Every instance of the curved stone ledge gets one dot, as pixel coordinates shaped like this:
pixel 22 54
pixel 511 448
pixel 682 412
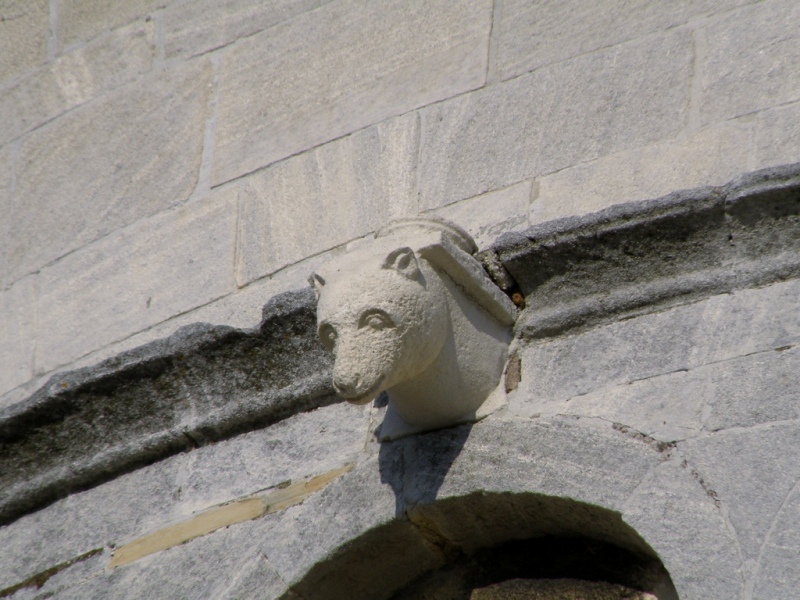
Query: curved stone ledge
pixel 202 384
pixel 206 383
pixel 644 256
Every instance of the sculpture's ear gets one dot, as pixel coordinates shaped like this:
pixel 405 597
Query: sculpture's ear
pixel 317 282
pixel 404 261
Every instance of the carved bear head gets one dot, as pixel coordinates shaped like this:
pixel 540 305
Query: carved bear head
pixel 384 315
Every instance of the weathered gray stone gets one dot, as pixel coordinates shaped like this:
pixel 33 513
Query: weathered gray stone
pixel 554 371
pixel 624 97
pixel 678 339
pixel 17 332
pixel 712 156
pixel 108 514
pixel 533 34
pixel 301 446
pixel 7 204
pixel 255 579
pixel 777 575
pixel 487 216
pixel 753 389
pixel 739 392
pixel 306 444
pixel 305 541
pixel 241 309
pixel 81 20
pixel 192 28
pixel 752 54
pixel 650 255
pixel 353 185
pixel 339 68
pixel 206 567
pixel 73 184
pixel 748 321
pixel 49 584
pixel 553 457
pixel 777 136
pixel 679 520
pixel 76 77
pixel 752 472
pixel 666 408
pixel 166 264
pixel 24 28
pixel 166 397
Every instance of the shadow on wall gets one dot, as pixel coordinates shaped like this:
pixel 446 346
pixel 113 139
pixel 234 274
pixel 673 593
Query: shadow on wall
pixel 483 539
pixel 454 548
pixel 415 481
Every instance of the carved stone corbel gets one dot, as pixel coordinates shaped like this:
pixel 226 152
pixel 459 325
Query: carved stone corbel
pixel 413 313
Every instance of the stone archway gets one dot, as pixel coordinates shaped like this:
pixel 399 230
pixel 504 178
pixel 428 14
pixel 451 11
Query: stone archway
pixel 432 502
pixel 537 541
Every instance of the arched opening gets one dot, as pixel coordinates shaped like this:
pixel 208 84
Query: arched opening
pixel 484 539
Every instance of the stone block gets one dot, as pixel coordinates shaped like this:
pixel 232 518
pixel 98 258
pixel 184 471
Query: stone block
pixel 7 205
pixel 137 277
pixel 675 515
pixel 751 60
pixel 685 337
pixel 486 216
pixel 553 457
pixel 76 77
pixel 67 574
pixel 752 472
pixel 712 156
pixel 344 189
pixel 74 185
pixel 666 408
pixel 191 28
pixel 102 516
pixel 776 574
pixel 604 102
pixel 748 321
pixel 256 579
pixel 206 567
pixel 754 389
pixel 24 31
pixel 339 68
pixel 331 437
pixel 81 20
pixel 242 308
pixel 17 332
pixel 777 136
pixel 533 34
pixel 335 544
pixel 169 491
pixel 555 371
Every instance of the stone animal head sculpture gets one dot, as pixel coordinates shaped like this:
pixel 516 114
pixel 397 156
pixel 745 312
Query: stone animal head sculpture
pixel 412 313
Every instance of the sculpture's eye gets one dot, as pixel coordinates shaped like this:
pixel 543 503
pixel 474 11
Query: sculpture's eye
pixel 375 319
pixel 327 334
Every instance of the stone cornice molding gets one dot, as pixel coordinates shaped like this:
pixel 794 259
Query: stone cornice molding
pixel 644 256
pixel 206 383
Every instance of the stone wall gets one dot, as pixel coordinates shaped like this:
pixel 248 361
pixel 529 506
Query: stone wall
pixel 651 424
pixel 166 162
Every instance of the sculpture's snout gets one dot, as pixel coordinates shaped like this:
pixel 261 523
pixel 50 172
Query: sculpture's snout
pixel 347 384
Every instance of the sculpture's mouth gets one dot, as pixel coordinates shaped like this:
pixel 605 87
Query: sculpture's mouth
pixel 365 397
